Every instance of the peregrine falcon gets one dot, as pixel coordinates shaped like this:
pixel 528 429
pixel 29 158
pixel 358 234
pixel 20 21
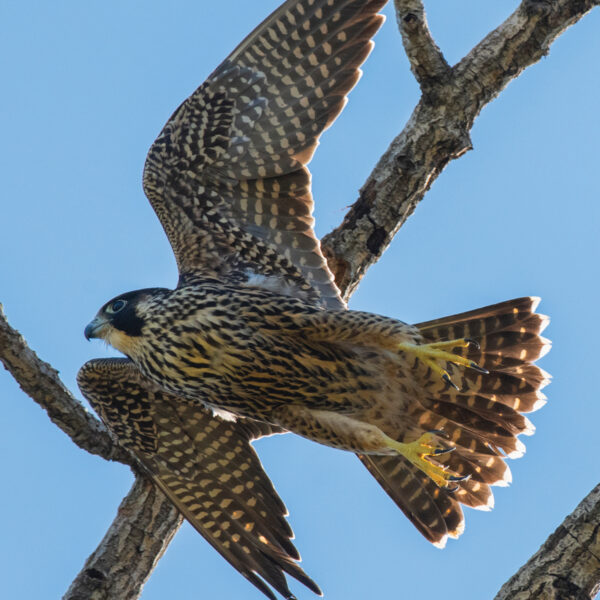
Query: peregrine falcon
pixel 257 329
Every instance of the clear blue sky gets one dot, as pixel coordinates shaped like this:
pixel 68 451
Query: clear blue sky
pixel 88 86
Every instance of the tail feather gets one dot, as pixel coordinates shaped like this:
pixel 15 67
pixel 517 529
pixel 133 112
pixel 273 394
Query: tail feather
pixel 472 420
pixel 491 470
pixel 481 420
pixel 524 402
pixel 475 494
pixel 474 434
pixel 435 512
pixel 501 414
pixel 507 348
pixel 483 321
pixel 514 381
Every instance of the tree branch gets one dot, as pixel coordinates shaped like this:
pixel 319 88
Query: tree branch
pixel 426 60
pixel 42 383
pixel 437 132
pixel 567 566
pixel 522 40
pixel 145 524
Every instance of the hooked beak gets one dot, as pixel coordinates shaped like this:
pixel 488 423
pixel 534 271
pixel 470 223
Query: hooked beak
pixel 94 328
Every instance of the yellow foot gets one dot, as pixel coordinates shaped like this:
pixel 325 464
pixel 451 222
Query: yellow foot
pixel 428 445
pixel 432 354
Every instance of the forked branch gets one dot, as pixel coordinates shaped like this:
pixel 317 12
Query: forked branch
pixel 438 130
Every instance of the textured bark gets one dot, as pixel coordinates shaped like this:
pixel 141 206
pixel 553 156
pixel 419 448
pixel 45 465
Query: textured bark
pixel 41 383
pixel 437 132
pixel 145 524
pixel 426 60
pixel 567 566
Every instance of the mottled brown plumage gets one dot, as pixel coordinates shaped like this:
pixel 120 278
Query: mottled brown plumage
pixel 227 174
pixel 205 465
pixel 256 326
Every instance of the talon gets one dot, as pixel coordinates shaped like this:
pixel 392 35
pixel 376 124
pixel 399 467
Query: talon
pixel 439 433
pixel 439 451
pixel 479 369
pixel 449 381
pixel 454 478
pixel 418 451
pixel 472 342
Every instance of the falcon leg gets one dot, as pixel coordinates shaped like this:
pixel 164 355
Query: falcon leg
pixel 348 433
pixel 432 354
pixel 418 451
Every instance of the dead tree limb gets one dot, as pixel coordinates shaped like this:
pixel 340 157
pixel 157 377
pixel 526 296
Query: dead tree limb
pixel 120 566
pixel 439 127
pixel 567 566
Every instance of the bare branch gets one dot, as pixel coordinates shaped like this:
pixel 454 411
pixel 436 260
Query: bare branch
pixel 42 383
pixel 522 40
pixel 143 528
pixel 567 566
pixel 426 60
pixel 438 132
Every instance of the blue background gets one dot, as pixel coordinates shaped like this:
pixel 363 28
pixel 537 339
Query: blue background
pixel 86 89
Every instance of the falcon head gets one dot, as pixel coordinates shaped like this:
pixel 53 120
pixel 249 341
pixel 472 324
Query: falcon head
pixel 120 321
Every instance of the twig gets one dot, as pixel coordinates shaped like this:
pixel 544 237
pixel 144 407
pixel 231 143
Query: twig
pixel 522 40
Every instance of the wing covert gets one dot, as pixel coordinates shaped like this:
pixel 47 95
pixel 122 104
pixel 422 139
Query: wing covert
pixel 227 174
pixel 205 466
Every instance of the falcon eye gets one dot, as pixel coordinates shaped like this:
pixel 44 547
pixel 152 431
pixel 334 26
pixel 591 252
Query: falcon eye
pixel 116 306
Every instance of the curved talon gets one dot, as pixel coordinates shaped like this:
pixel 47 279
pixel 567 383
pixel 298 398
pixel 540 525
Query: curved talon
pixel 439 433
pixel 439 451
pixel 418 451
pixel 454 478
pixel 472 342
pixel 449 381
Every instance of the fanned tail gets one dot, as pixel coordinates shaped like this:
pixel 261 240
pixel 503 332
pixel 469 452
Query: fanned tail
pixel 481 419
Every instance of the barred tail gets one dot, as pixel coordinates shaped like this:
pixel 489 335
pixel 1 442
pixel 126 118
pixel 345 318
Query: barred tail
pixel 482 419
pixel 432 510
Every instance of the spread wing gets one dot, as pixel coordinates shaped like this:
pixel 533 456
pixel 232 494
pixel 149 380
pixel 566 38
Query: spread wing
pixel 227 174
pixel 205 466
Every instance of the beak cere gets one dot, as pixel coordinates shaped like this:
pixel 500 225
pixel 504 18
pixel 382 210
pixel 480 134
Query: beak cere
pixel 94 328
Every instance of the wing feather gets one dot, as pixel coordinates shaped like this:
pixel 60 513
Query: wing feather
pixel 227 175
pixel 205 466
